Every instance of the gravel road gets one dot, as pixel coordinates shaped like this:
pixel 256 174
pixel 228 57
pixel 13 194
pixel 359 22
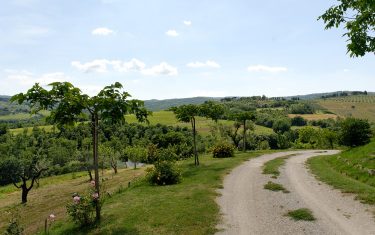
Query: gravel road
pixel 248 208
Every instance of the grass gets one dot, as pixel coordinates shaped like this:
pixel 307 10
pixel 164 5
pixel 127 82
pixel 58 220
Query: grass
pixel 301 214
pixel 203 125
pixel 351 171
pixel 275 187
pixel 351 106
pixel 185 208
pixel 272 167
pixel 52 197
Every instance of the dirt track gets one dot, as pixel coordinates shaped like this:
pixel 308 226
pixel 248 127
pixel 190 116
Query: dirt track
pixel 248 208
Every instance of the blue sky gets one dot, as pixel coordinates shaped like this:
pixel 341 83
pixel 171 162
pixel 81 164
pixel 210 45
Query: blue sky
pixel 170 49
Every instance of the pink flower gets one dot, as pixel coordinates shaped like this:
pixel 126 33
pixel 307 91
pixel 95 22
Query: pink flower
pixel 92 183
pixel 76 199
pixel 95 196
pixel 52 217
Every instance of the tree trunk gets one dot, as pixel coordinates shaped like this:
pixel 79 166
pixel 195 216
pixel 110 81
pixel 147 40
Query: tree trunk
pixel 90 174
pixel 244 135
pixel 196 159
pixel 25 191
pixel 95 124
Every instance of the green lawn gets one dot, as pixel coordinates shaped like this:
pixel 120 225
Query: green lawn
pixel 185 208
pixel 352 171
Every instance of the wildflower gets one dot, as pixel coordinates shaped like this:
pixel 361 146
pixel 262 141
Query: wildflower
pixel 76 199
pixel 95 196
pixel 92 183
pixel 51 217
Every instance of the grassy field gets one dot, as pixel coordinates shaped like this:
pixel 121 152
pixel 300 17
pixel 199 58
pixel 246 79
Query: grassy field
pixel 168 118
pixel 21 116
pixel 355 106
pixel 352 171
pixel 186 208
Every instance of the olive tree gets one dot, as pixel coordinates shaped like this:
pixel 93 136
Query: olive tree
pixel 188 113
pixel 68 105
pixel 243 117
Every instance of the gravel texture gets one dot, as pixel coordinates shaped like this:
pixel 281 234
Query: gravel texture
pixel 248 208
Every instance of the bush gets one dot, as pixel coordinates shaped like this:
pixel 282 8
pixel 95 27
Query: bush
pixel 281 126
pixel 355 132
pixel 298 121
pixel 223 150
pixel 163 173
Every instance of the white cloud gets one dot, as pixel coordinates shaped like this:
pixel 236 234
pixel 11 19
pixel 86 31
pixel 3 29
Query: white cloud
pixel 172 33
pixel 265 68
pixel 187 22
pixel 102 31
pixel 207 64
pixel 132 65
pixel 27 79
pixel 99 66
pixel 161 69
pixel 103 65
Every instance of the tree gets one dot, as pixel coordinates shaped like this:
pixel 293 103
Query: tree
pixel 243 117
pixel 358 18
pixel 212 110
pixel 188 113
pixel 281 125
pixel 355 132
pixel 232 132
pixel 136 154
pixel 21 169
pixel 68 105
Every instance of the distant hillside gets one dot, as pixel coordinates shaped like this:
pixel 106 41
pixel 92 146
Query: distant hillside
pixel 158 105
pixel 320 95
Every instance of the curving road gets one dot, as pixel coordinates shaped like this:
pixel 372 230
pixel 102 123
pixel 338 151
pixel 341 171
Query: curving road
pixel 248 208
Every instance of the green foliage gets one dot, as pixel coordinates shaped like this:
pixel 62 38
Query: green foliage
pixel 301 108
pixel 164 173
pixel 14 227
pixel 298 121
pixel 223 150
pixel 358 19
pixel 355 132
pixel 301 214
pixel 82 209
pixel 281 125
pixel 135 154
pixel 212 110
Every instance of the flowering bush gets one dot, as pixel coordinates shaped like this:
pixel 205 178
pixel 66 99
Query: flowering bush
pixel 82 207
pixel 223 150
pixel 164 173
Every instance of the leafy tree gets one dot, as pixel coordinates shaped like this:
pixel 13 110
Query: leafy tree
pixel 188 113
pixel 68 105
pixel 281 125
pixel 21 169
pixel 136 154
pixel 243 117
pixel 355 132
pixel 232 132
pixel 298 121
pixel 212 110
pixel 358 18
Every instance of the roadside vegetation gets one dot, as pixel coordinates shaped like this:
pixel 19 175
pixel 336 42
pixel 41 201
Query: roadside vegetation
pixel 301 214
pixel 275 187
pixel 272 167
pixel 352 171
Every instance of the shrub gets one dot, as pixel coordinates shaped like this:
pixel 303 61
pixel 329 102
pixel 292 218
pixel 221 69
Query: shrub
pixel 14 227
pixel 281 125
pixel 355 132
pixel 298 121
pixel 223 150
pixel 82 207
pixel 163 173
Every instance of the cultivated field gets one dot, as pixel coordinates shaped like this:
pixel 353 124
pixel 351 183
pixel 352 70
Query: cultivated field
pixel 351 106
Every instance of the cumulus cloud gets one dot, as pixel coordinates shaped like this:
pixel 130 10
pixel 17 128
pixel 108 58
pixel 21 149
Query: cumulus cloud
pixel 172 33
pixel 103 65
pixel 187 22
pixel 265 68
pixel 26 78
pixel 99 66
pixel 161 69
pixel 207 64
pixel 132 65
pixel 102 31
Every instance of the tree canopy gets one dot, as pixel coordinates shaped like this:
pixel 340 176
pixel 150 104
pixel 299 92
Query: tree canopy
pixel 358 19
